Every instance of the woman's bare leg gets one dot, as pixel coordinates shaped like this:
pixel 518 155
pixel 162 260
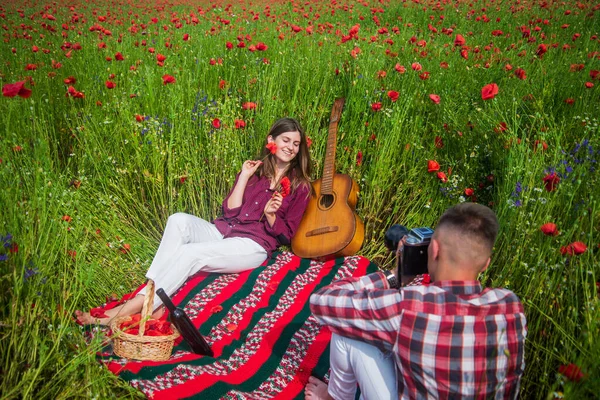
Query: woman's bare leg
pixel 130 307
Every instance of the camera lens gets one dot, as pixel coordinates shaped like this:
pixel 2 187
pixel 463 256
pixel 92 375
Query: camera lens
pixel 412 240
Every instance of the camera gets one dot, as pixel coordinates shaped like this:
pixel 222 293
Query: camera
pixel 414 255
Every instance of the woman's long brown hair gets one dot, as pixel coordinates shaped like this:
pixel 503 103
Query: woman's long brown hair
pixel 300 168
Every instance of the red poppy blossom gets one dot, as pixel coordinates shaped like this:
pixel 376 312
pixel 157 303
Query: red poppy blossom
pixel 595 74
pixel 489 91
pixel 160 57
pixel 126 248
pixel 272 147
pixel 520 73
pixel 216 123
pixel 572 372
pixel 439 142
pixel 359 158
pixel 286 186
pixel 549 229
pixel 393 95
pixel 239 124
pixel 435 98
pixel 442 176
pixel 16 89
pixel 432 166
pixel 66 218
pixel 400 68
pixel 186 37
pixel 469 192
pixel 110 85
pixel 459 40
pixel 249 105
pixel 589 85
pixel 541 50
pixel 139 118
pixel 376 106
pixel 168 79
pixel 119 56
pixel 551 181
pixel 416 66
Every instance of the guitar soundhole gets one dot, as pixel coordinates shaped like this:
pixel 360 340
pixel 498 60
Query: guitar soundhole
pixel 326 201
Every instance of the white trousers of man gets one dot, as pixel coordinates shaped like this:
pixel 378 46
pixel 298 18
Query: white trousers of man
pixel 352 362
pixel 190 244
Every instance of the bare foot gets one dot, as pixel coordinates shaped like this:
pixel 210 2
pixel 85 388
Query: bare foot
pixel 130 307
pixel 316 389
pixel 85 318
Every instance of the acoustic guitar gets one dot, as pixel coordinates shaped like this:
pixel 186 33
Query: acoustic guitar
pixel 330 227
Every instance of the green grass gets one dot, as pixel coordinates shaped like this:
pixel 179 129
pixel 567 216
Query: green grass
pixel 119 179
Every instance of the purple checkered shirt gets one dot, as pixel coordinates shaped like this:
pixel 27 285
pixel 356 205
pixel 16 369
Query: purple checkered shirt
pixel 450 339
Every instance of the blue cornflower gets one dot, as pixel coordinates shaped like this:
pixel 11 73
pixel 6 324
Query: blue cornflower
pixel 518 203
pixel 3 257
pixel 29 272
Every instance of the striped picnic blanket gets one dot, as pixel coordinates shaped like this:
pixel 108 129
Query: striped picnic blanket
pixel 258 323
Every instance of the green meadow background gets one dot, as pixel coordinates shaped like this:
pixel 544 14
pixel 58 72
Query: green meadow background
pixel 87 187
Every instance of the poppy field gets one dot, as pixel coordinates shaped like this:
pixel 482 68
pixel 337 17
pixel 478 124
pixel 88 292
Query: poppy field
pixel 116 114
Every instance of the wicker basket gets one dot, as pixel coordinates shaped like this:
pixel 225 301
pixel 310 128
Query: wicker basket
pixel 140 347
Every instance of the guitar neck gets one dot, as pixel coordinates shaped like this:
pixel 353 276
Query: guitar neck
pixel 329 165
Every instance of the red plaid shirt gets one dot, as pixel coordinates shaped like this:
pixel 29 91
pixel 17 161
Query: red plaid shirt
pixel 450 339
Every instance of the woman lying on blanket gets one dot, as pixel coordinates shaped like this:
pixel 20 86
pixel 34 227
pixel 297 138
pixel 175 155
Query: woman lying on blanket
pixel 262 211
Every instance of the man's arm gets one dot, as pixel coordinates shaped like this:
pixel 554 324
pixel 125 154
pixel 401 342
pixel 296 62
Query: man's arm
pixel 361 308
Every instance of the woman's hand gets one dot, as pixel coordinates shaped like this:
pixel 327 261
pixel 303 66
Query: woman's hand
pixel 273 204
pixel 249 167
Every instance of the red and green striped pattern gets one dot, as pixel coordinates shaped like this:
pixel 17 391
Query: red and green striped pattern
pixel 259 325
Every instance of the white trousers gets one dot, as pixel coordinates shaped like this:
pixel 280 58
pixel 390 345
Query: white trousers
pixel 352 362
pixel 190 244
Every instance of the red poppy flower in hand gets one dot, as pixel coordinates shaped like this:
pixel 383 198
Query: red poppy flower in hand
pixel 272 147
pixel 286 186
pixel 16 89
pixel 489 91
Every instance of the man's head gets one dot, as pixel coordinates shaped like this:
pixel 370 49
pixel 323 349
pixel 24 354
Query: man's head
pixel 462 243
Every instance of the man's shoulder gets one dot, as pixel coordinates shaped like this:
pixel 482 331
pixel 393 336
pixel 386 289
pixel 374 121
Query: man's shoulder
pixel 462 298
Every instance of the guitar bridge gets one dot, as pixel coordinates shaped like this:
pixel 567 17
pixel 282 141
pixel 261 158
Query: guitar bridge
pixel 321 231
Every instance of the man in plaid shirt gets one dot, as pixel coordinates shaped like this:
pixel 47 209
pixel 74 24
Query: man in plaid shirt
pixel 446 340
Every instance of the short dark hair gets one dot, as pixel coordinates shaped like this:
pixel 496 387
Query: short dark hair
pixel 473 220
